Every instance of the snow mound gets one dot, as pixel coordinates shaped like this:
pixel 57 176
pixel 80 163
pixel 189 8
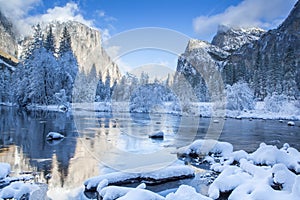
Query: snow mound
pixel 141 194
pixel 267 173
pixel 291 123
pixel 201 148
pixel 271 155
pixel 159 176
pixel 186 192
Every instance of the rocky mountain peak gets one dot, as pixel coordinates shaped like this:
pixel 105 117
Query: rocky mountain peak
pixel 231 39
pixel 292 23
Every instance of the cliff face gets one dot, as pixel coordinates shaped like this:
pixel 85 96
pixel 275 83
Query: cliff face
pixel 8 41
pixel 198 65
pixel 268 62
pixel 87 47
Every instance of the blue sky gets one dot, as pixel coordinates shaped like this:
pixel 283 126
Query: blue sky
pixel 122 15
pixel 194 18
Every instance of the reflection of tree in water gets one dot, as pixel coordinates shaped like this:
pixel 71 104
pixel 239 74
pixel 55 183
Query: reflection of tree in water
pixel 28 130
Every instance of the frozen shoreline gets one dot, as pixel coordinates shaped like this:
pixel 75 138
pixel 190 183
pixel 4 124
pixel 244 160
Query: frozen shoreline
pixel 203 109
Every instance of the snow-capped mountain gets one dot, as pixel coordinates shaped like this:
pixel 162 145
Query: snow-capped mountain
pixel 231 39
pixel 268 62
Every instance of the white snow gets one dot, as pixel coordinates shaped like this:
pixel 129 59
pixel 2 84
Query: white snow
pixel 204 147
pixel 164 173
pixel 141 194
pixel 186 192
pixel 291 123
pixel 271 155
pixel 257 172
pixel 53 108
pixel 4 170
pixel 54 136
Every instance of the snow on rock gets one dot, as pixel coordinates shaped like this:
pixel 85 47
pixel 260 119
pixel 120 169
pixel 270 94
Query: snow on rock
pixel 141 194
pixel 17 190
pixel 157 135
pixel 54 136
pixel 271 155
pixel 4 170
pixel 118 192
pixel 205 147
pixel 267 173
pixel 186 192
pixel 113 192
pixel 229 179
pixel 163 175
pixel 291 123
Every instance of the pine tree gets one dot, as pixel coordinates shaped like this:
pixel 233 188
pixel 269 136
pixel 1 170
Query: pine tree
pixel 65 42
pixel 68 66
pixel 49 42
pixel 107 87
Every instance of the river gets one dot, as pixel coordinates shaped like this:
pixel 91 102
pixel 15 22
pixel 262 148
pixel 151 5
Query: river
pixel 95 142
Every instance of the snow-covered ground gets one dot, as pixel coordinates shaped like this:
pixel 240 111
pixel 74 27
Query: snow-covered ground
pixel 20 187
pixel 288 110
pixel 267 173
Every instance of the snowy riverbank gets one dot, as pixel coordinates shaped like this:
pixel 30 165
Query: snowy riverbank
pixel 267 173
pixel 262 110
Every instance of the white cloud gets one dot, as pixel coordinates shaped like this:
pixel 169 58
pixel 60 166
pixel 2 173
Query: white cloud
pixel 265 14
pixel 17 8
pixel 18 12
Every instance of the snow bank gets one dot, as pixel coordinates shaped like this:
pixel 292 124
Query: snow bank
pixel 4 170
pixel 271 155
pixel 184 192
pixel 17 190
pixel 267 173
pixel 159 176
pixel 15 187
pixel 53 108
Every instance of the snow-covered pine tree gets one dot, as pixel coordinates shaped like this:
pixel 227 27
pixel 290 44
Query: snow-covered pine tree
pixel 107 87
pixel 68 66
pixel 49 42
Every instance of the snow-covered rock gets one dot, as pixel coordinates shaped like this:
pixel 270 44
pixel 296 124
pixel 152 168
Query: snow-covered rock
pixel 267 173
pixel 16 190
pixel 185 192
pixel 159 176
pixel 291 123
pixel 54 136
pixel 271 155
pixel 157 135
pixel 205 147
pixel 141 194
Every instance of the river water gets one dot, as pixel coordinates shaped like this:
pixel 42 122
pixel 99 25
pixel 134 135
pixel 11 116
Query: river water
pixel 97 142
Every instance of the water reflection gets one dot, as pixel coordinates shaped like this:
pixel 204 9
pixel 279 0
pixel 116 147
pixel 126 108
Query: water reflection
pixel 90 136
